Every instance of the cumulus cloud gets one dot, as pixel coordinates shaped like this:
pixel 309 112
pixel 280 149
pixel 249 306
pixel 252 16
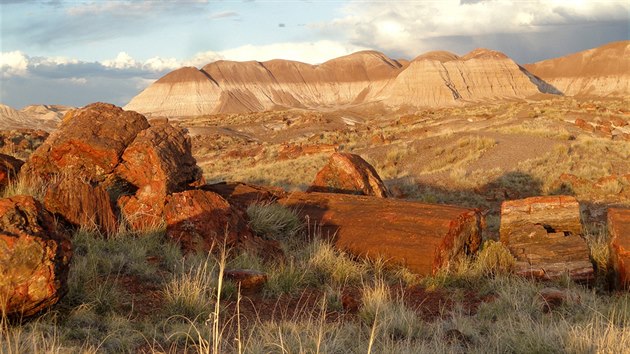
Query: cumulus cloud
pixel 17 63
pixel 307 52
pixel 411 28
pixel 13 64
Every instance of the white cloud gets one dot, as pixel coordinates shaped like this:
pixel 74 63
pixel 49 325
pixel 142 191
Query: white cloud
pixel 308 52
pixel 125 61
pixel 158 64
pixel 122 61
pixel 13 64
pixel 405 27
pixel 203 58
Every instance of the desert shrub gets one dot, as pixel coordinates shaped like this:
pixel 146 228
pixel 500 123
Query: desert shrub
pixel 190 292
pixel 330 265
pixel 286 278
pixel 597 239
pixel 494 258
pixel 390 317
pixel 274 221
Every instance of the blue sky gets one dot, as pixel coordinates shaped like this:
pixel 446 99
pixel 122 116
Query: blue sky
pixel 77 52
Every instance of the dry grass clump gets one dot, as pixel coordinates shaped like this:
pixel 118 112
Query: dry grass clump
pixel 273 220
pixel 26 185
pixel 289 174
pixel 494 258
pixel 457 154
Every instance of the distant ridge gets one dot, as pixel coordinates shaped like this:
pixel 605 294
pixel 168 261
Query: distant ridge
pixel 601 71
pixel 437 78
pixel 45 117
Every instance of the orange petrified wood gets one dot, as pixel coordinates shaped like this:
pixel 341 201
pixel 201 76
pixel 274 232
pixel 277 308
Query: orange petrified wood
pixel 619 230
pixel 423 237
pixel 544 235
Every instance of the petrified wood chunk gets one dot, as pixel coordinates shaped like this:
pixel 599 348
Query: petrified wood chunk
pixel 88 143
pixel 34 257
pixel 9 168
pixel 544 235
pixel 203 220
pixel 351 174
pixel 423 237
pixel 619 231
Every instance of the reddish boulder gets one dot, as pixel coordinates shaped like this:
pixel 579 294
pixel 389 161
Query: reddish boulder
pixel 544 235
pixel 292 151
pixel 82 204
pixel 423 237
pixel 159 160
pixel 140 214
pixel 619 231
pixel 9 168
pixel 202 221
pixel 34 257
pixel 582 124
pixel 88 143
pixel 350 174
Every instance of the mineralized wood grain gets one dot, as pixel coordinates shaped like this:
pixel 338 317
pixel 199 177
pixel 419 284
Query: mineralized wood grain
pixel 423 237
pixel 544 235
pixel 619 231
pixel 82 204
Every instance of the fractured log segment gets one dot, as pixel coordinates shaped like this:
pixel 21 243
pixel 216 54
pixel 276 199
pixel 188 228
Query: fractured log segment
pixel 544 235
pixel 552 212
pixel 619 231
pixel 422 237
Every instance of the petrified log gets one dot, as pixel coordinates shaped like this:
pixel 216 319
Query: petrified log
pixel 619 231
pixel 203 220
pixel 423 237
pixel 160 160
pixel 34 257
pixel 88 143
pixel 544 235
pixel 350 174
pixel 242 195
pixel 82 204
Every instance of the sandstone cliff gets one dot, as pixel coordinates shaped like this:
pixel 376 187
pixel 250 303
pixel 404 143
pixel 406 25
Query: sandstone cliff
pixel 432 79
pixel 442 78
pixel 602 71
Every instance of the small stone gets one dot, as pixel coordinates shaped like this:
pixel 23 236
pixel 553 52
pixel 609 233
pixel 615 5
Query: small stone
pixel 250 280
pixel 552 298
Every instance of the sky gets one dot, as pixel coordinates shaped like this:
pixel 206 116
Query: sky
pixel 76 52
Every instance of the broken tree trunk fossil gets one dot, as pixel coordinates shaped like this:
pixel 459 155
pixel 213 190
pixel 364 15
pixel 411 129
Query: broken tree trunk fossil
pixel 619 231
pixel 544 235
pixel 423 237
